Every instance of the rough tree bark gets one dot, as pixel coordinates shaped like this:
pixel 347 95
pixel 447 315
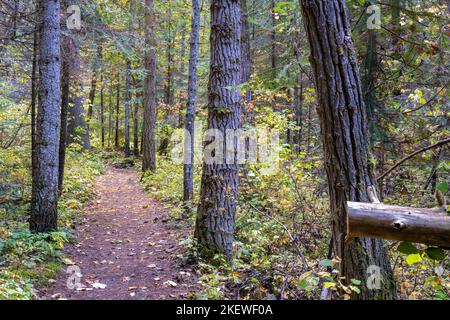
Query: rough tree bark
pixel 345 138
pixel 149 143
pixel 188 181
pixel 219 189
pixel 44 202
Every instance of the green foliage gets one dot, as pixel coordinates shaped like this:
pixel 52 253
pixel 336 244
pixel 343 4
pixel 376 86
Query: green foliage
pixel 432 263
pixel 442 187
pixel 166 185
pixel 28 259
pixel 407 248
pixel 12 287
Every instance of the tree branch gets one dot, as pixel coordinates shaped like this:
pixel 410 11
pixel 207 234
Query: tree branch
pixel 437 144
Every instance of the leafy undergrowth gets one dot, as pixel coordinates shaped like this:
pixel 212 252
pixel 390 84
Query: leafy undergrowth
pixel 271 259
pixel 27 259
pixel 282 240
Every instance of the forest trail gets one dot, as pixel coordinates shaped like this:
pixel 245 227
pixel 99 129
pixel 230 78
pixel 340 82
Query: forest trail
pixel 126 247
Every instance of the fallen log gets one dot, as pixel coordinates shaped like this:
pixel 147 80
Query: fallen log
pixel 376 220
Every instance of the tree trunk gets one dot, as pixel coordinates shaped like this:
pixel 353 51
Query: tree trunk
pixel 395 21
pixel 34 89
pixel 190 108
pixel 368 79
pixel 219 189
pixel 44 203
pixel 116 140
pixel 94 81
pixel 77 131
pixel 149 143
pixel 298 113
pixel 102 110
pixel 67 48
pixel 128 86
pixel 168 91
pixel 345 138
pixel 181 74
pixel 111 108
pixel 127 150
pixel 298 90
pixel 136 120
pixel 245 50
pixel 273 35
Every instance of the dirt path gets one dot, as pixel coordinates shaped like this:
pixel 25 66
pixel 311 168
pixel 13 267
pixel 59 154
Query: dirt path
pixel 126 247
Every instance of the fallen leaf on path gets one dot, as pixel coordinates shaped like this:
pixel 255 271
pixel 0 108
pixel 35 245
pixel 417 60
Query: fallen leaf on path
pixel 56 296
pixel 98 285
pixel 68 262
pixel 170 283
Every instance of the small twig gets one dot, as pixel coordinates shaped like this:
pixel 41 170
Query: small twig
pixel 286 278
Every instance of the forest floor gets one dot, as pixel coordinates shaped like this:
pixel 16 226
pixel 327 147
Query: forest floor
pixel 126 247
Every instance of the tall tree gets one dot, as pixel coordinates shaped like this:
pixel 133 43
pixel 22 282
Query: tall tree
pixel 137 99
pixel 149 143
pixel 345 138
pixel 94 81
pixel 219 188
pixel 273 36
pixel 128 84
pixel 67 48
pixel 34 94
pixel 116 136
pixel 102 110
pixel 245 49
pixel 77 128
pixel 298 89
pixel 44 203
pixel 111 110
pixel 168 90
pixel 368 79
pixel 190 107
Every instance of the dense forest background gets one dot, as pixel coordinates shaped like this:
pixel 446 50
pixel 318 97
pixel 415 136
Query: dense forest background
pixel 130 80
